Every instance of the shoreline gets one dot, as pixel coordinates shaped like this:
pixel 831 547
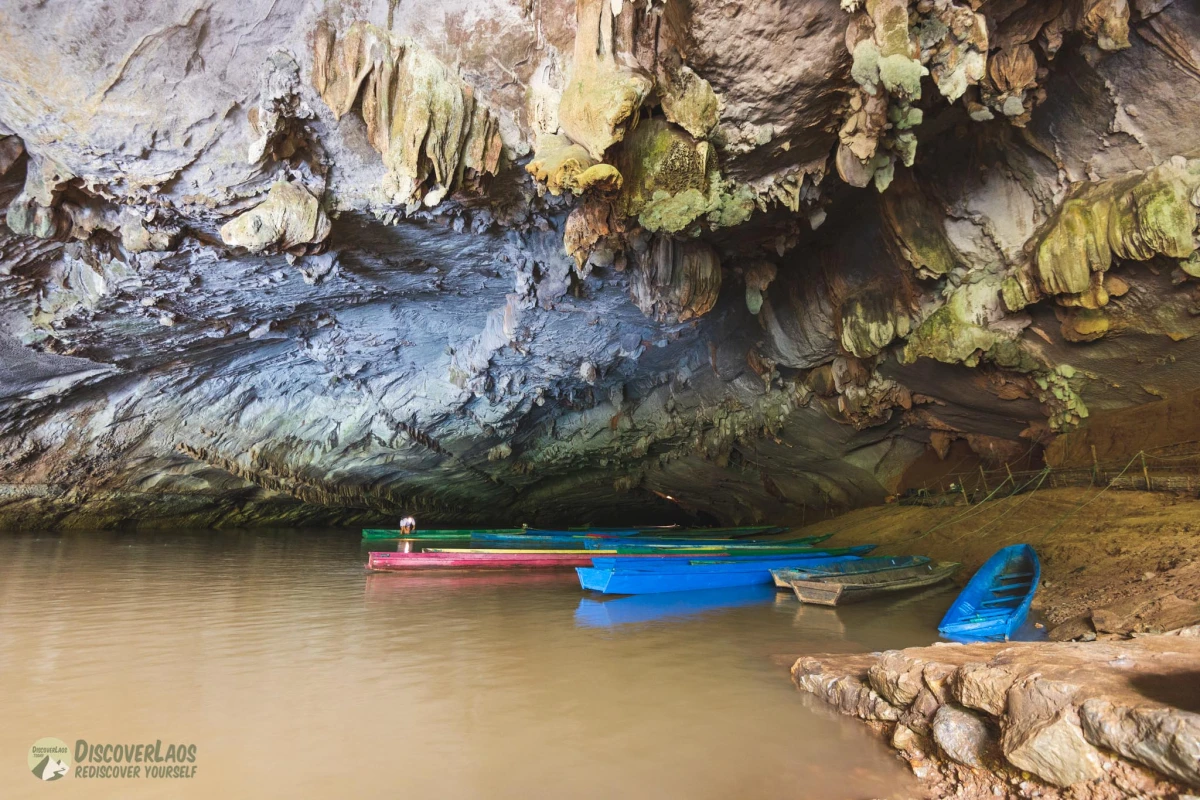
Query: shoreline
pixel 1115 713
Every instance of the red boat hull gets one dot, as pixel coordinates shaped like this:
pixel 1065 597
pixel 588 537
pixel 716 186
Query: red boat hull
pixel 389 561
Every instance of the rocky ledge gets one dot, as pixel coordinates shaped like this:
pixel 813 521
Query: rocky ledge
pixel 1051 720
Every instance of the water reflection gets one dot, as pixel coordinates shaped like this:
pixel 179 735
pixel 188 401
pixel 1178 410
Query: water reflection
pixel 593 613
pixel 299 674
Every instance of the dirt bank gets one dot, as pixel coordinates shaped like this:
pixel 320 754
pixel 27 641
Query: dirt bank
pixel 1114 561
pixel 1089 720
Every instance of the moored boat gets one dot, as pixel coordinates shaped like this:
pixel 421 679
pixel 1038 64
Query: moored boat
pixel 996 601
pixel 392 561
pixel 832 589
pixel 784 577
pixel 651 575
pixel 376 534
pixel 749 548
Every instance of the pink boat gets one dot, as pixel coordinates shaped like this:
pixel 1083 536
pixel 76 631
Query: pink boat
pixel 392 561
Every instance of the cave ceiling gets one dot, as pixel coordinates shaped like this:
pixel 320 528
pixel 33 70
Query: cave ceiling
pixel 552 261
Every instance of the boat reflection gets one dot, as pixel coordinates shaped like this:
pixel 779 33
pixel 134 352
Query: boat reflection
pixel 668 605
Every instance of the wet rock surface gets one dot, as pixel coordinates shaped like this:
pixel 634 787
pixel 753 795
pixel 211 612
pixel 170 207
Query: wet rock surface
pixel 1078 720
pixel 506 262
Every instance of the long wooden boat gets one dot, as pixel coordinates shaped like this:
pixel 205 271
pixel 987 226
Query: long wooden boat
pixel 673 531
pixel 714 551
pixel 995 602
pixel 653 607
pixel 636 536
pixel 612 576
pixel 392 561
pixel 775 561
pixel 784 577
pixel 375 534
pixel 750 548
pixel 525 550
pixel 840 590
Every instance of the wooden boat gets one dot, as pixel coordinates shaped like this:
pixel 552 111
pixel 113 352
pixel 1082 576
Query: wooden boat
pixel 391 561
pixel 996 601
pixel 784 577
pixel 615 576
pixel 831 589
pixel 673 561
pixel 527 551
pixel 375 534
pixel 675 531
pixel 748 548
pixel 654 607
pixel 634 536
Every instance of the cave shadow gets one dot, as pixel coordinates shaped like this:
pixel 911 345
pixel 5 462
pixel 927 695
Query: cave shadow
pixel 1177 689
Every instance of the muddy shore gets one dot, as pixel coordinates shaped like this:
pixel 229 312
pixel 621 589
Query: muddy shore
pixel 1113 714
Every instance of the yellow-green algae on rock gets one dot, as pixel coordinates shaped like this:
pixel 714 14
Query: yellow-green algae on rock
pixel 288 218
pixel 1133 217
pixel 421 116
pixel 671 180
pixel 958 331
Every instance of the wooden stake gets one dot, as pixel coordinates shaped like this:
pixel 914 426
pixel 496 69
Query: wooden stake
pixel 1095 466
pixel 1145 472
pixel 983 478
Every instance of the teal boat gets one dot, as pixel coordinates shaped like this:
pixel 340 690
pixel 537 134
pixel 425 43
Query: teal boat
pixel 652 547
pixel 376 534
pixel 633 536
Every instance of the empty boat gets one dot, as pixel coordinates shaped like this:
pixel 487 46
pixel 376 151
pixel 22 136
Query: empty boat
pixel 832 589
pixel 996 601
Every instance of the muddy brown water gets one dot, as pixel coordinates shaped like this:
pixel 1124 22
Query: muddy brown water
pixel 297 674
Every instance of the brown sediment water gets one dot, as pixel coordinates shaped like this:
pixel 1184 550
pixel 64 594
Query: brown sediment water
pixel 295 673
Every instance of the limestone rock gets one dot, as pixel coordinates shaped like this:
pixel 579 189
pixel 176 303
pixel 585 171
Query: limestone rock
pixel 1134 217
pixel 1042 733
pixel 1167 740
pixel 676 281
pixel 896 678
pixel 962 735
pixel 290 218
pixel 421 117
pixel 849 696
pixel 560 165
pixel 983 687
pixel 668 176
pixel 689 102
pixel 602 95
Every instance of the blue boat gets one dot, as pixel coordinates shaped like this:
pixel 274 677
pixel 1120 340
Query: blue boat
pixel 673 605
pixel 995 602
pixel 651 575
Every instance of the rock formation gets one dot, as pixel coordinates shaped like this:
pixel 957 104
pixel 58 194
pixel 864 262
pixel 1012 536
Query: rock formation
pixel 576 260
pixel 1074 720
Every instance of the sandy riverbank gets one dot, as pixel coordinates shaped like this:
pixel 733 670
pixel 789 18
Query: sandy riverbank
pixel 1129 560
pixel 1107 719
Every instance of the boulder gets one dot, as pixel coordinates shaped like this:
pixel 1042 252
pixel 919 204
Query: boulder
pixel 962 735
pixel 897 678
pixel 1165 739
pixel 983 687
pixel 1042 733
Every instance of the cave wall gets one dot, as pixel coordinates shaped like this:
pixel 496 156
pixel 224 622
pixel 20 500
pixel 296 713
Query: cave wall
pixel 553 261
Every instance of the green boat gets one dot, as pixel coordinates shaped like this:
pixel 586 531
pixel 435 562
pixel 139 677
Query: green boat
pixel 376 534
